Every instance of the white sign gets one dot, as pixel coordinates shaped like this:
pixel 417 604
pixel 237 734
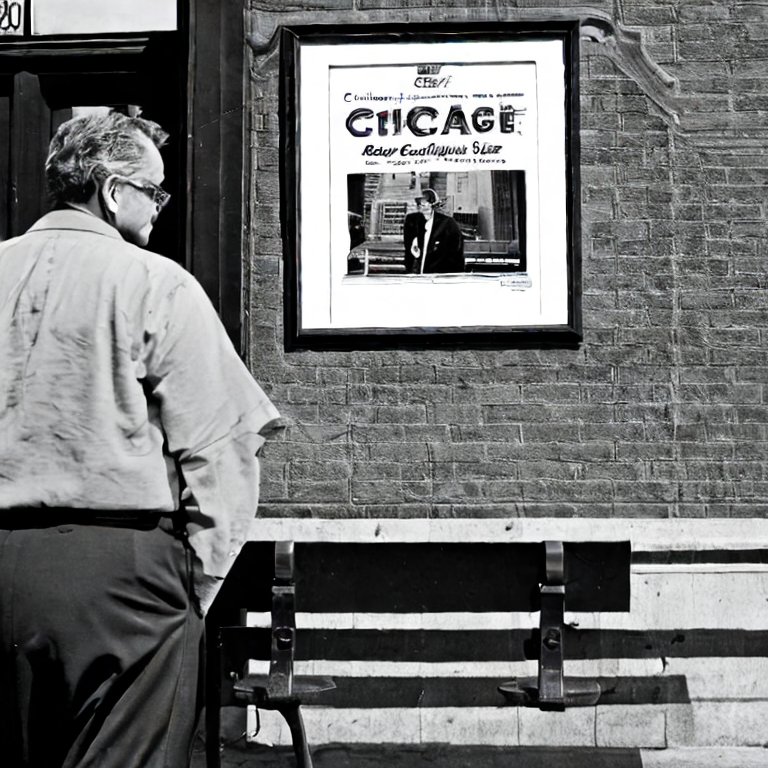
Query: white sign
pixel 55 17
pixel 12 17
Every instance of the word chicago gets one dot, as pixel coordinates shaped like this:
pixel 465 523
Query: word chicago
pixel 426 121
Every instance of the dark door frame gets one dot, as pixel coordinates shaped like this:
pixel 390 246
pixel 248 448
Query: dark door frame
pixel 215 163
pixel 203 64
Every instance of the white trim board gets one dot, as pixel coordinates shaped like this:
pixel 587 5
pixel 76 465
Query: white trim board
pixel 646 534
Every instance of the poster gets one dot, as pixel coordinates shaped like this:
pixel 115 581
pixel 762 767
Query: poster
pixel 433 189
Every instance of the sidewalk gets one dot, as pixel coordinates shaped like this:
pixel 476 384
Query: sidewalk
pixel 448 756
pixel 705 757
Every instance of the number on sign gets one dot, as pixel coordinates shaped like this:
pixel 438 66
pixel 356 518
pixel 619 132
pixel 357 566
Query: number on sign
pixel 11 17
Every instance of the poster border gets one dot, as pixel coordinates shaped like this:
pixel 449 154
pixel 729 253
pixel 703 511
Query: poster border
pixel 292 38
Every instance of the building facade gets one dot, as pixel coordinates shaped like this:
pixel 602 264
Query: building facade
pixel 655 429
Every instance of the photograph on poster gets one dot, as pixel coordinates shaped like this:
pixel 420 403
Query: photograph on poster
pixel 432 191
pixel 477 223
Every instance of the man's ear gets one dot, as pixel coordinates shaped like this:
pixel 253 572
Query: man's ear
pixel 108 194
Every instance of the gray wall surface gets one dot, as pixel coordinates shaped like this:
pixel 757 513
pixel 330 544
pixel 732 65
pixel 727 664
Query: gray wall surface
pixel 662 411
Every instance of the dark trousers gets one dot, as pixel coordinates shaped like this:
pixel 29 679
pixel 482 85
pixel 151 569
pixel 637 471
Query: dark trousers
pixel 100 648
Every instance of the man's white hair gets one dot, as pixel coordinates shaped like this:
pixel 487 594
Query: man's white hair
pixel 86 150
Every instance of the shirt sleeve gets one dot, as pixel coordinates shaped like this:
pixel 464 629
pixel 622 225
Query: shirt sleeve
pixel 213 413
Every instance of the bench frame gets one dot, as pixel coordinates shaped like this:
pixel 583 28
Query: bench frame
pixel 283 692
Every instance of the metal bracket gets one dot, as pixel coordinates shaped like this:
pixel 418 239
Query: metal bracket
pixel 280 681
pixel 551 690
pixel 552 593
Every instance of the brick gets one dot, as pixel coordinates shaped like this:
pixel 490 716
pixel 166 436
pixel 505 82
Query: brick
pixel 319 491
pixel 489 434
pixel 549 432
pixel 352 414
pixel 486 395
pixel 750 12
pixel 745 414
pixel 734 393
pixel 644 451
pixel 460 492
pixel 555 490
pixel 318 470
pixel 400 452
pixel 480 471
pixel 455 414
pixel 603 451
pixel 613 430
pixel 644 510
pixel 551 393
pixel 418 374
pixel 457 452
pixel 407 414
pixel 729 431
pixel 531 470
pixel 645 491
pixel 563 509
pixel 414 393
pixel 403 510
pixel 429 433
pixel 751 450
pixel 652 15
pixel 327 395
pixel 386 491
pixel 613 471
pixel 378 470
pixel 370 433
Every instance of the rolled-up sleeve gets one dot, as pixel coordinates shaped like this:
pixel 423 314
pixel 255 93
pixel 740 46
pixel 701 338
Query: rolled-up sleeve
pixel 213 414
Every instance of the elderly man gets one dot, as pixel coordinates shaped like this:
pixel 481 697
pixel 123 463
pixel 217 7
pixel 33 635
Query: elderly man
pixel 120 395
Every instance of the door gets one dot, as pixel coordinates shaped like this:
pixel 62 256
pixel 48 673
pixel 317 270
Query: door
pixel 48 83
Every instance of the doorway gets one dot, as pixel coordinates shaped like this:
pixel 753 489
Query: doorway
pixel 46 84
pixel 190 81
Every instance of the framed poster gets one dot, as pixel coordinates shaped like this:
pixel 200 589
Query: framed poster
pixel 430 190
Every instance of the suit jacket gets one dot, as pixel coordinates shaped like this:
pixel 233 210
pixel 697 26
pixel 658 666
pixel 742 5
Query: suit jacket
pixel 445 250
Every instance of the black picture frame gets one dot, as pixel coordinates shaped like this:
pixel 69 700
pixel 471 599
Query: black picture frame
pixel 505 275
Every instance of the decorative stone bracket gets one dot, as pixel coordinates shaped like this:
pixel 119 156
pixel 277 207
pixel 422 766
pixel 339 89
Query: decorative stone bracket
pixel 624 47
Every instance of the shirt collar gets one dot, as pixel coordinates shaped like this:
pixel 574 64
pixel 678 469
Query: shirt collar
pixel 71 218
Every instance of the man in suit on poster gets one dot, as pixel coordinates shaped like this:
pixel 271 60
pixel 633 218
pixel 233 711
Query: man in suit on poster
pixel 433 241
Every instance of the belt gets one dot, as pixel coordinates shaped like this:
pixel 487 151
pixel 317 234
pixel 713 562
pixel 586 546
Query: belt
pixel 21 518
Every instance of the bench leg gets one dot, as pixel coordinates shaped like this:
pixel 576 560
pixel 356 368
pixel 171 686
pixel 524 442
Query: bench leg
pixel 292 714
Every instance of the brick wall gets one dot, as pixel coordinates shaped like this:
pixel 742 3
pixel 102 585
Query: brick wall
pixel 662 411
pixel 656 429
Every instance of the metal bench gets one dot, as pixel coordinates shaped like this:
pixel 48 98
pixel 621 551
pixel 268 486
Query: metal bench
pixel 284 578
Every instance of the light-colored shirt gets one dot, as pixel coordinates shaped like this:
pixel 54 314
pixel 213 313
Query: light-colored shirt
pixel 427 235
pixel 116 375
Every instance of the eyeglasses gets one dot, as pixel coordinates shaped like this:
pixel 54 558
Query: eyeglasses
pixel 154 191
